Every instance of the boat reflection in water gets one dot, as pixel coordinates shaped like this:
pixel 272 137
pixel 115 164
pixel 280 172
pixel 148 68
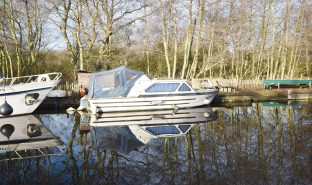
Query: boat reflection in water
pixel 126 131
pixel 270 144
pixel 191 115
pixel 25 137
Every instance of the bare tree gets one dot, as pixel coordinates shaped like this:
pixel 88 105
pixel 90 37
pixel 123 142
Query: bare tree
pixel 34 24
pixel 188 40
pixel 193 67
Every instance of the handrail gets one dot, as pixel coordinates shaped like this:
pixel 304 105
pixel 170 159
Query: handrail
pixel 32 78
pixel 59 151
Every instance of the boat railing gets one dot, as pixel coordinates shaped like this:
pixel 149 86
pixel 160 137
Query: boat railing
pixel 30 79
pixel 34 153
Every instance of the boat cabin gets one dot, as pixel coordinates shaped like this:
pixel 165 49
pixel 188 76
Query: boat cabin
pixel 124 82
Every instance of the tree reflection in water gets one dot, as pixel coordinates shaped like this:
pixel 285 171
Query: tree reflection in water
pixel 245 145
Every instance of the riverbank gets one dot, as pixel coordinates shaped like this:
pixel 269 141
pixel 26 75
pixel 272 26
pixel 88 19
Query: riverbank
pixel 245 96
pixel 257 95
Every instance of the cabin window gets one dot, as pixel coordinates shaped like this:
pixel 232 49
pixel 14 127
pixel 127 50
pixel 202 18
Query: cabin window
pixel 31 98
pixel 184 87
pixel 130 76
pixel 163 130
pixel 163 87
pixel 184 128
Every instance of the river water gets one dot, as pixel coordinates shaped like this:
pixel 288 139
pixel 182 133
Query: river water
pixel 264 143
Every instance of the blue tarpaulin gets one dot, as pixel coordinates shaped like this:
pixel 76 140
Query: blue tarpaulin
pixel 113 83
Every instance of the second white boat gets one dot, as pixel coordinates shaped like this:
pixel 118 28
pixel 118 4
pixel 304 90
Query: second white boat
pixel 124 89
pixel 24 94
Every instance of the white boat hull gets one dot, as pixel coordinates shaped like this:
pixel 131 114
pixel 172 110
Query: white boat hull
pixel 23 142
pixel 150 103
pixel 16 96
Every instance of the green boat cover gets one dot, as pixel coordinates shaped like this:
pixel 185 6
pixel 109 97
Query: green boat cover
pixel 286 82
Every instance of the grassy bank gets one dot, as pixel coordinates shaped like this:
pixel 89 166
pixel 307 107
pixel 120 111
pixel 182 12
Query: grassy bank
pixel 257 95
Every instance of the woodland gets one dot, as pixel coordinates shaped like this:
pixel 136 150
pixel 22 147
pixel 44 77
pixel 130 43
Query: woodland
pixel 187 39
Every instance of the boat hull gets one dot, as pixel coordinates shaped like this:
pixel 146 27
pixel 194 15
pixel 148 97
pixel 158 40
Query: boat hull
pixel 16 96
pixel 151 102
pixel 26 137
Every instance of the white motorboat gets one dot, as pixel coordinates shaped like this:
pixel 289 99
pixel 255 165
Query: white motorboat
pixel 126 131
pixel 25 137
pixel 124 89
pixel 24 94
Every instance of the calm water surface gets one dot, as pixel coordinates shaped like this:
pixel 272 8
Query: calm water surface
pixel 259 144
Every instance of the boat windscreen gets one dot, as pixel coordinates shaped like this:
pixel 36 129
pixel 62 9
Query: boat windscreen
pixel 162 87
pixel 184 128
pixel 184 87
pixel 163 130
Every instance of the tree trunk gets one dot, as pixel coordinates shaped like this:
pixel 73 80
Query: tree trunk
pixel 165 38
pixel 285 50
pixel 199 38
pixel 188 41
pixel 175 54
pixel 17 41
